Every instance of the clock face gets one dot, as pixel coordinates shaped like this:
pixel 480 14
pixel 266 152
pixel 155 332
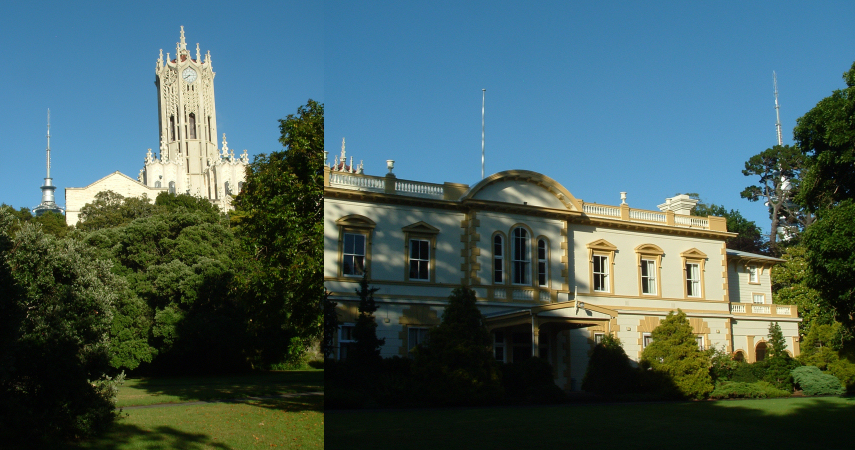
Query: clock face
pixel 189 75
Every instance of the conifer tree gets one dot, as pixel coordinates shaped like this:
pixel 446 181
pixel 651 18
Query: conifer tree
pixel 366 351
pixel 674 353
pixel 779 363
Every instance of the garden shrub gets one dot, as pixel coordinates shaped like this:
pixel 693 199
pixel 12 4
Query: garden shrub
pixel 610 371
pixel 674 353
pixel 530 380
pixel 814 382
pixel 737 389
pixel 744 372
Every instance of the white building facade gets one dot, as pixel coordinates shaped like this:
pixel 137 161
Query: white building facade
pixel 552 273
pixel 189 160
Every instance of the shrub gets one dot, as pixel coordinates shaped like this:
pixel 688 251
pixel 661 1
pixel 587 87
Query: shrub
pixel 723 367
pixel 814 382
pixel 531 380
pixel 674 353
pixel 744 372
pixel 610 371
pixel 736 389
pixel 456 366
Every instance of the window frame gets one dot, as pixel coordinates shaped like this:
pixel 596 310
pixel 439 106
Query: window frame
pixel 646 339
pixel 755 295
pixel 420 231
pixel 544 262
pixel 601 248
pixel 526 271
pixel 341 341
pixel 695 257
pixel 421 338
pixel 652 253
pixel 500 259
pixel 753 272
pixel 354 254
pixel 701 341
pixel 355 224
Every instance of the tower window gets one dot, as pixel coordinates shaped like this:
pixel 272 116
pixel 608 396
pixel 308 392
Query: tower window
pixel 192 133
pixel 209 130
pixel 171 128
pixel 171 187
pixel 228 191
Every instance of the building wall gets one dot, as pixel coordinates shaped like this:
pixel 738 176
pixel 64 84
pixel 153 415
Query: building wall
pixel 77 198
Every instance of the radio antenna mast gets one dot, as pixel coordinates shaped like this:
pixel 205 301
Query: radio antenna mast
pixel 483 94
pixel 777 112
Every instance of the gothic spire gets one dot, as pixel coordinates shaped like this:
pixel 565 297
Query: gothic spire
pixel 182 44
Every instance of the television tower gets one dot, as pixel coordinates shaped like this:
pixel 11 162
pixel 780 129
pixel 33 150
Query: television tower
pixel 777 112
pixel 48 203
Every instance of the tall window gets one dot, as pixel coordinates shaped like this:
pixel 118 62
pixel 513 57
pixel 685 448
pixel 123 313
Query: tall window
pixel 498 259
pixel 419 259
pixel 648 276
pixel 542 276
pixel 228 190
pixel 354 255
pixel 646 339
pixel 171 187
pixel 601 273
pixel 693 280
pixel 171 128
pixel 499 346
pixel 192 133
pixel 700 340
pixel 209 129
pixel 345 341
pixel 520 256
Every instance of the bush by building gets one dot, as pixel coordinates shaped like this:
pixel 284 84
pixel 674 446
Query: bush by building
pixel 610 371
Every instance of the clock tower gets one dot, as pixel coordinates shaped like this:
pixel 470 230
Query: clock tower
pixel 190 161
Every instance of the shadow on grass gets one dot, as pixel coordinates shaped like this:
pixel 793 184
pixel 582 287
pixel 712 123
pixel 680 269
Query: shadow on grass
pixel 774 423
pixel 124 435
pixel 206 388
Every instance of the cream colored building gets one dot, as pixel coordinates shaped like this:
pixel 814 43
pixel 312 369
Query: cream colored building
pixel 189 161
pixel 552 273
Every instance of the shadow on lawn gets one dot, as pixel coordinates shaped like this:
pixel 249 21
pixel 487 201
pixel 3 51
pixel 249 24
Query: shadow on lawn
pixel 232 387
pixel 131 436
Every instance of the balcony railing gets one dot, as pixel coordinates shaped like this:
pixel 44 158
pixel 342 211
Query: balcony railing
pixel 370 183
pixel 764 310
pixel 645 216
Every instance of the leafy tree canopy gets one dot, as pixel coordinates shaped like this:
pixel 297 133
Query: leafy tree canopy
pixel 278 214
pixel 790 287
pixel 749 238
pixel 110 209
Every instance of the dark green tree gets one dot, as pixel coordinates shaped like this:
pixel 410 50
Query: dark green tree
pixel 365 352
pixel 56 308
pixel 279 214
pixel 778 362
pixel 826 135
pixel 610 371
pixel 830 255
pixel 779 170
pixel 456 365
pixel 674 353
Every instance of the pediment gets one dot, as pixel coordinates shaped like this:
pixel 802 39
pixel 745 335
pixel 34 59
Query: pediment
pixel 649 249
pixel 356 220
pixel 693 253
pixel 420 228
pixel 523 187
pixel 602 244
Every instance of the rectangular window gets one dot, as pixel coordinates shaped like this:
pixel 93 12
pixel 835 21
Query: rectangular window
pixel 171 129
pixel 345 341
pixel 693 280
pixel 419 259
pixel 648 276
pixel 354 255
pixel 192 134
pixel 520 255
pixel 753 276
pixel 598 338
pixel 700 340
pixel 646 339
pixel 498 260
pixel 541 263
pixel 499 346
pixel 415 337
pixel 601 273
pixel 759 298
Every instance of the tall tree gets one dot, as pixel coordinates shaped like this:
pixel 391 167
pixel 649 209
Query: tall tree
pixel 826 135
pixel 830 255
pixel 790 287
pixel 674 352
pixel 365 351
pixel 279 214
pixel 779 170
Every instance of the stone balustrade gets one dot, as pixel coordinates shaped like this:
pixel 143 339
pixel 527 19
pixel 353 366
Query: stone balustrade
pixel 763 310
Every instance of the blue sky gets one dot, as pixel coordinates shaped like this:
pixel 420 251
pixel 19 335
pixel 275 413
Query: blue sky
pixel 652 99
pixel 92 64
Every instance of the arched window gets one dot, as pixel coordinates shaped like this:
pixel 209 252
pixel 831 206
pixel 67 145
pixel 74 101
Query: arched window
pixel 520 255
pixel 761 352
pixel 171 187
pixel 498 259
pixel 228 190
pixel 157 184
pixel 542 263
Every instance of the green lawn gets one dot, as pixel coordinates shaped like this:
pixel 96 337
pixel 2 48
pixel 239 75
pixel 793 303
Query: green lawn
pixel 296 422
pixel 776 423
